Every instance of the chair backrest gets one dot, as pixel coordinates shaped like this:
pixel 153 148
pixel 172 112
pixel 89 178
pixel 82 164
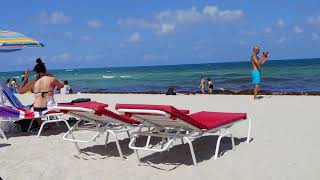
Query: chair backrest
pixel 9 95
pixel 93 110
pixel 158 115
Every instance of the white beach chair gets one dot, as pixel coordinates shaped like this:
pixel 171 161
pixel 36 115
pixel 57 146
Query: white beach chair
pixel 170 124
pixel 100 119
pixel 7 95
pixel 8 113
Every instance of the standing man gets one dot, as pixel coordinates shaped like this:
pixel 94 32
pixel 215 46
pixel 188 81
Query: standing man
pixel 202 85
pixel 256 69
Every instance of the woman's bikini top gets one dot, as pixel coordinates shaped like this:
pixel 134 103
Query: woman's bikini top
pixel 43 94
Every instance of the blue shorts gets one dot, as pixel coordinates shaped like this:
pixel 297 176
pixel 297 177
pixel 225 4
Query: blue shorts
pixel 256 77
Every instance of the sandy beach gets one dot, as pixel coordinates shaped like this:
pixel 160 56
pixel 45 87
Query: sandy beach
pixel 284 144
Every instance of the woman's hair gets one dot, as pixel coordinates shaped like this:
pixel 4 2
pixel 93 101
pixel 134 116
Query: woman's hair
pixel 8 80
pixel 40 67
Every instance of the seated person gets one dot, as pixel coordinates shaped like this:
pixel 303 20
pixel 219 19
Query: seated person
pixel 66 89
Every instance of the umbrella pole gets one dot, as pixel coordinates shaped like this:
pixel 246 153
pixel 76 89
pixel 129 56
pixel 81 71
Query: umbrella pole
pixel 1 97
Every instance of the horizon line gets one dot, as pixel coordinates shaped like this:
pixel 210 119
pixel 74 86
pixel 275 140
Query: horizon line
pixel 54 69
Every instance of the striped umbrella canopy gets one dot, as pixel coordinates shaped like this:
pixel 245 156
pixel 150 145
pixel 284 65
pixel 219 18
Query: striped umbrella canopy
pixel 12 41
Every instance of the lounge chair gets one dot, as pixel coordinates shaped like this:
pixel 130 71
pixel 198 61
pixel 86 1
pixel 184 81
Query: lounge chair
pixel 8 113
pixel 7 95
pixel 171 124
pixel 99 119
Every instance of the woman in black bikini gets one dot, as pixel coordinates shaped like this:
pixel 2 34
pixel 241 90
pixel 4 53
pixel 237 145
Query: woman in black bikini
pixel 42 86
pixel 210 85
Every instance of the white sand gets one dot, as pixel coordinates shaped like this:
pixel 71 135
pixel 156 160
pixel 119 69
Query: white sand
pixel 285 145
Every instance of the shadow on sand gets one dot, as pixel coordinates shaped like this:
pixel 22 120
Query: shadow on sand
pixel 48 130
pixel 4 145
pixel 112 151
pixel 178 155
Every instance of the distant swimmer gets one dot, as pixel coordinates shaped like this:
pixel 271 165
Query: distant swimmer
pixel 210 85
pixel 256 69
pixel 202 85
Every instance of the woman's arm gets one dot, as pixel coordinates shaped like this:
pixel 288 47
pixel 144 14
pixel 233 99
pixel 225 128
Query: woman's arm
pixel 27 87
pixel 58 83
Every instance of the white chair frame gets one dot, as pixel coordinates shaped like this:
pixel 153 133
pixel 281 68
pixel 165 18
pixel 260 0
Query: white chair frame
pixel 100 125
pixel 172 130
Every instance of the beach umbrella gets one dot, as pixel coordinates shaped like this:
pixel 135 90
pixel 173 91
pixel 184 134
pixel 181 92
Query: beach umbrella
pixel 12 41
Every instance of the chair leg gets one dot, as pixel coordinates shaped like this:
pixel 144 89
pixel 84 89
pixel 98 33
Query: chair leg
pixel 57 123
pixel 218 142
pixel 128 135
pixel 191 150
pixel 135 151
pixel 148 141
pixel 30 125
pixel 75 143
pixel 162 142
pixel 249 130
pixel 232 141
pixel 3 135
pixel 41 127
pixel 107 139
pixel 118 145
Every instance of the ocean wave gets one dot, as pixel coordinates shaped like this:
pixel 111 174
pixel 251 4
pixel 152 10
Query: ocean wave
pixel 125 76
pixel 108 77
pixel 69 70
pixel 17 77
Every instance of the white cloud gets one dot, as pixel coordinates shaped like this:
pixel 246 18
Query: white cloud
pixel 166 28
pixel 86 38
pixel 297 30
pixel 314 20
pixel 280 23
pixel 92 57
pixel 281 40
pixel 268 30
pixel 134 37
pixel 68 35
pixel 166 22
pixel 62 56
pixel 315 36
pixel 94 24
pixel 56 17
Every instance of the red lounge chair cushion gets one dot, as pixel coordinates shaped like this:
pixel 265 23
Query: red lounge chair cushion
pixel 100 109
pixel 175 113
pixel 202 120
pixel 215 119
pixel 93 105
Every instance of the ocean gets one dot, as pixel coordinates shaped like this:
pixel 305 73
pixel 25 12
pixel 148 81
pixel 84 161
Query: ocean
pixel 300 75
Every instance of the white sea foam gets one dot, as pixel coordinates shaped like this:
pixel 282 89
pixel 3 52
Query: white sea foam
pixel 69 70
pixel 125 76
pixel 108 77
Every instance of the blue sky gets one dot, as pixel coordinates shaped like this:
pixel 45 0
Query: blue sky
pixel 149 32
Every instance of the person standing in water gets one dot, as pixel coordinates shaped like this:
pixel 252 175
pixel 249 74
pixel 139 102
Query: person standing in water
pixel 210 85
pixel 202 85
pixel 8 84
pixel 256 63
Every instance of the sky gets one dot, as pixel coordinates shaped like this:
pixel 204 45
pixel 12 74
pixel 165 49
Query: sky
pixel 97 33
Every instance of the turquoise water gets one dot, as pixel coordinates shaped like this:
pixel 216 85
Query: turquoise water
pixel 277 76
